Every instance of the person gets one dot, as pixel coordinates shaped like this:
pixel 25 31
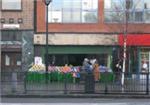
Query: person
pixel 118 71
pixel 87 67
pixel 145 67
pixel 96 71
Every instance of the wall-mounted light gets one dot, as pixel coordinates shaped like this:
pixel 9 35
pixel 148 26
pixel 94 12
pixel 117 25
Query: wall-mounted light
pixel 2 20
pixel 20 20
pixel 11 20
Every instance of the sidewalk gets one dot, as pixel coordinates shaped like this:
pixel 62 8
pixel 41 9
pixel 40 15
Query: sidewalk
pixel 56 90
pixel 76 96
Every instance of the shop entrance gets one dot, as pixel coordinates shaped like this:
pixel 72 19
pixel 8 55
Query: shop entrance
pixel 11 61
pixel 145 61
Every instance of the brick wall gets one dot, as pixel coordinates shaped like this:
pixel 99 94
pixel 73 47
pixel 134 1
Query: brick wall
pixel 26 13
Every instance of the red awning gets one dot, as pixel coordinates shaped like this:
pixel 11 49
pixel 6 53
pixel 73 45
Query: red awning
pixel 135 39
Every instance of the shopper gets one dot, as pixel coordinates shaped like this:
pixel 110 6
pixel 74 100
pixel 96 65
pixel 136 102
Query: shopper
pixel 96 71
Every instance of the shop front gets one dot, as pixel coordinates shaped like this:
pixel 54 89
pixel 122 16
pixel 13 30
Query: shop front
pixel 72 49
pixel 145 59
pixel 69 59
pixel 74 55
pixel 138 52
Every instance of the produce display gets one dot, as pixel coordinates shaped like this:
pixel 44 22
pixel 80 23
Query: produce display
pixel 36 73
pixel 37 68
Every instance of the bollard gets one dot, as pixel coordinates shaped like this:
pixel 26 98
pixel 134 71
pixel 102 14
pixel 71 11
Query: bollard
pixel 65 84
pixel 25 86
pixel 14 81
pixel 89 83
pixel 106 87
pixel 147 83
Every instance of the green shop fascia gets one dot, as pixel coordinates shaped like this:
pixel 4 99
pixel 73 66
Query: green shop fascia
pixel 75 54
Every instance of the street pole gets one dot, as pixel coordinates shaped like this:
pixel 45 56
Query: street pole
pixel 47 2
pixel 124 47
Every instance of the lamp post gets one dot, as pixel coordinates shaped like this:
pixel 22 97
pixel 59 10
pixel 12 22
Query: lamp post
pixel 46 2
pixel 126 19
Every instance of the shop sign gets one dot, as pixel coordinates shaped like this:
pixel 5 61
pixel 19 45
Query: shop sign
pixel 135 39
pixel 11 26
pixel 38 61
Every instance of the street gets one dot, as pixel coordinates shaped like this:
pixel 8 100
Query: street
pixel 73 101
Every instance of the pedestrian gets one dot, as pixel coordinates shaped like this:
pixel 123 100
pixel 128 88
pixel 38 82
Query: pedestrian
pixel 144 67
pixel 96 71
pixel 87 67
pixel 118 70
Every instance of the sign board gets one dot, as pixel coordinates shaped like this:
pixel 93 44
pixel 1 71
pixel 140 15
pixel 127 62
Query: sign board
pixel 11 26
pixel 37 60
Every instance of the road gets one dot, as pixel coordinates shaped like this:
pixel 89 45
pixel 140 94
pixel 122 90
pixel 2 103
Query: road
pixel 73 101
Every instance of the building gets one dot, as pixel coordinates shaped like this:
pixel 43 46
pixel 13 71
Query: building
pixel 81 29
pixel 16 34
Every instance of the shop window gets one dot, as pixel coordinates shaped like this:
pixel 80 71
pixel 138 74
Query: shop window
pixel 145 61
pixel 11 4
pixel 76 59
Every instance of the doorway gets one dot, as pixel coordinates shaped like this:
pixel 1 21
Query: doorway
pixel 145 61
pixel 11 61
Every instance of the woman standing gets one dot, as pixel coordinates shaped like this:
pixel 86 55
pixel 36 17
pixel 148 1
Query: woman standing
pixel 96 71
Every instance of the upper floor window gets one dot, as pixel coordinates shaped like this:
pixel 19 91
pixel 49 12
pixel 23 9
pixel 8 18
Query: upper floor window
pixel 73 11
pixel 11 4
pixel 11 35
pixel 134 11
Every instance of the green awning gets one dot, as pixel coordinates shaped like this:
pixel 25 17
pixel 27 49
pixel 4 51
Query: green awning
pixel 79 49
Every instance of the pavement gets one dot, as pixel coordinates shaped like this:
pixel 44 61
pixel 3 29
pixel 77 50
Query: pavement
pixel 56 90
pixel 133 96
pixel 73 101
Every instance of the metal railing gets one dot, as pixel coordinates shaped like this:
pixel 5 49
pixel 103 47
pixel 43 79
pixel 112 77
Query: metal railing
pixel 60 83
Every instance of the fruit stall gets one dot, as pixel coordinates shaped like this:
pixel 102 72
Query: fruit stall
pixel 58 73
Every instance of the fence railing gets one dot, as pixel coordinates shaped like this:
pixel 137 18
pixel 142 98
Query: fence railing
pixel 68 83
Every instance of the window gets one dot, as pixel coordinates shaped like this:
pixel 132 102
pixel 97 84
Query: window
pixel 76 59
pixel 146 4
pixel 11 4
pixel 11 36
pixel 137 10
pixel 114 16
pixel 147 16
pixel 73 11
pixel 129 4
pixel 139 16
pixel 138 4
pixel 7 60
pixel 117 4
pixel 18 59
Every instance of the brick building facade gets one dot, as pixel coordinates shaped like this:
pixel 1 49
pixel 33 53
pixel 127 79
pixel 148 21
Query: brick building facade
pixel 17 28
pixel 92 28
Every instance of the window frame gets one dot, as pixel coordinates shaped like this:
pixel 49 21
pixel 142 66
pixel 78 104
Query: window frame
pixel 133 10
pixel 77 10
pixel 12 9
